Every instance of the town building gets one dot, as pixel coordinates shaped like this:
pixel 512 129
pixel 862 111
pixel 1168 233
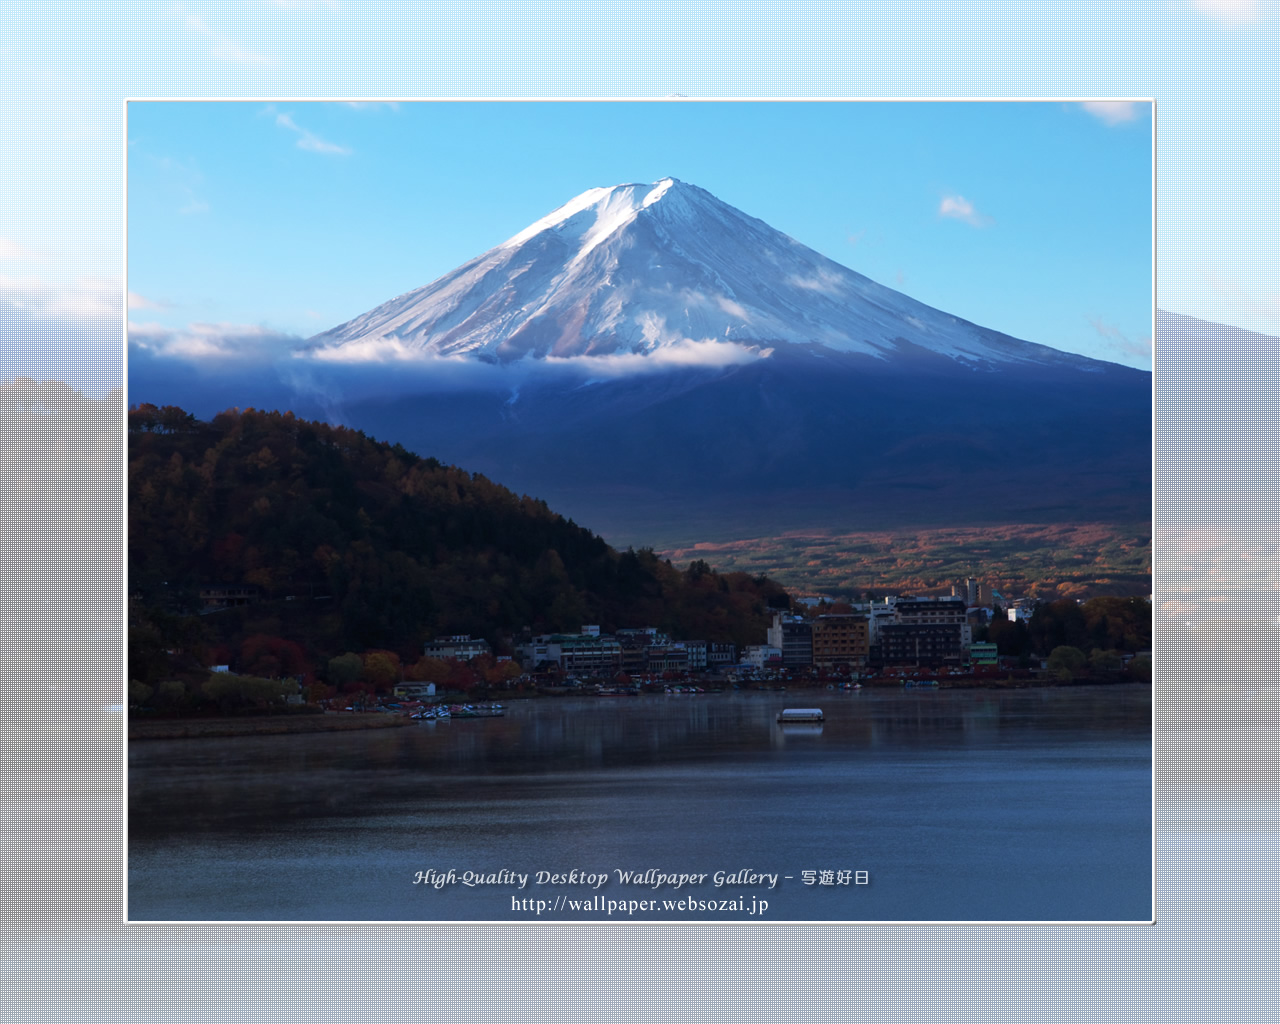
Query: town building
pixel 214 597
pixel 920 644
pixel 697 652
pixel 576 654
pixel 762 656
pixel 923 611
pixel 461 647
pixel 794 637
pixel 635 644
pixel 668 658
pixel 879 615
pixel 841 641
pixel 415 690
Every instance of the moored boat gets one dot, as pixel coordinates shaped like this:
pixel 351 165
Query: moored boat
pixel 800 715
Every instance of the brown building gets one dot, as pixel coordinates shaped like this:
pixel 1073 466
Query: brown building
pixel 840 640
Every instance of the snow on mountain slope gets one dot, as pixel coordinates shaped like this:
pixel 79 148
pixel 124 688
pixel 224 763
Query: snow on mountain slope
pixel 642 268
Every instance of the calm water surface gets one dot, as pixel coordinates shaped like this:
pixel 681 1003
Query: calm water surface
pixel 959 805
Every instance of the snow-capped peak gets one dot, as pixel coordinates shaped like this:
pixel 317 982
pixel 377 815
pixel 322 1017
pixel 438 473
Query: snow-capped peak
pixel 636 268
pixel 588 219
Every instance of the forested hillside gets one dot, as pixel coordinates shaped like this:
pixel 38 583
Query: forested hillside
pixel 343 543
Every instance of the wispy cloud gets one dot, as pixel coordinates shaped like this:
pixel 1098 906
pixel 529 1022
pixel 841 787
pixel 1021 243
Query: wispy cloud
pixel 821 280
pixel 221 46
pixel 1113 111
pixel 137 301
pixel 709 352
pixel 220 342
pixel 1229 12
pixel 182 181
pixel 309 140
pixel 15 252
pixel 371 104
pixel 1139 348
pixel 959 208
pixel 88 298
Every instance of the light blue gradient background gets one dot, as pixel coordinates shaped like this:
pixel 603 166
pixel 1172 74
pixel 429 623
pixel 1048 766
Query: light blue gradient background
pixel 64 72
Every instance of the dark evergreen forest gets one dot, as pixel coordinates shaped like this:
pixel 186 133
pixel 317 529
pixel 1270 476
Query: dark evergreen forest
pixel 343 543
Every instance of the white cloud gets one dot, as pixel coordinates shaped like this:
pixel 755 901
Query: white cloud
pixel 181 180
pixel 1112 111
pixel 15 252
pixel 137 301
pixel 374 350
pixel 221 46
pixel 732 308
pixel 88 298
pixel 709 352
pixel 1139 348
pixel 959 208
pixel 821 280
pixel 244 343
pixel 1229 12
pixel 308 140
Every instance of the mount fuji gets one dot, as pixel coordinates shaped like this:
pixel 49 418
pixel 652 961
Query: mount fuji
pixel 667 369
pixel 645 269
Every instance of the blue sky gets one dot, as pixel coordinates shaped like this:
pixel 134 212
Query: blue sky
pixel 258 219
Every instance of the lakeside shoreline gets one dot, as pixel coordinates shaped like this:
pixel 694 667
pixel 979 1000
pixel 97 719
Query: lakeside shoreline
pixel 259 725
pixel 280 725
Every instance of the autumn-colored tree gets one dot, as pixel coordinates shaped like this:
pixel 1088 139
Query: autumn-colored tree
pixel 428 670
pixel 462 677
pixel 398 547
pixel 271 657
pixel 381 669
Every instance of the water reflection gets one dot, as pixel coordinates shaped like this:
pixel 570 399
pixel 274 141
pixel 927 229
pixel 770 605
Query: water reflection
pixel 178 785
pixel 966 805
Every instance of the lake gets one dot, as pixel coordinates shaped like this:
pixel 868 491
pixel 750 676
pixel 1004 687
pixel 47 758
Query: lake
pixel 904 805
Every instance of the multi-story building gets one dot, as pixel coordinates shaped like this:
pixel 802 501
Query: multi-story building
pixel 841 640
pixel 721 655
pixel 635 644
pixel 697 651
pixel 462 647
pixel 534 652
pixel 214 597
pixel 921 644
pixel 983 655
pixel 1020 611
pixel 760 656
pixel 879 615
pixel 794 637
pixel 668 658
pixel 585 654
pixel 922 611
